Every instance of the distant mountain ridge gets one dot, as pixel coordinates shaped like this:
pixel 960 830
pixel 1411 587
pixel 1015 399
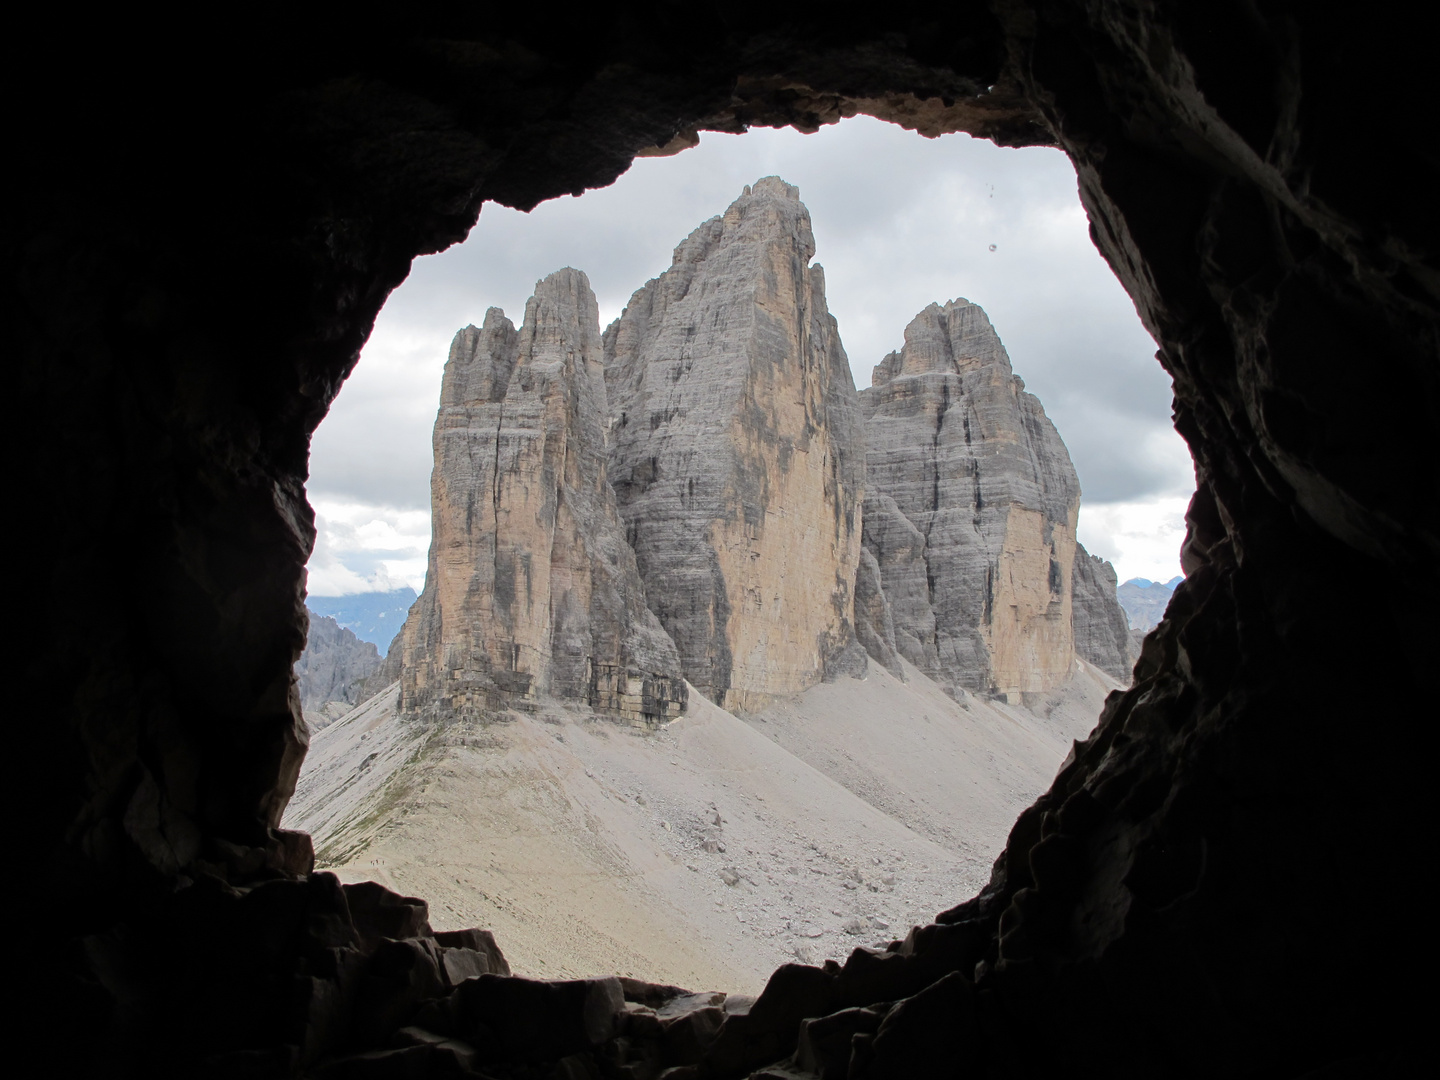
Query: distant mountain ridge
pixel 374 617
pixel 1145 601
pixel 332 671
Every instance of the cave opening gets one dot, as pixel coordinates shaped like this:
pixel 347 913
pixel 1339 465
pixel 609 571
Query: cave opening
pixel 899 223
pixel 201 241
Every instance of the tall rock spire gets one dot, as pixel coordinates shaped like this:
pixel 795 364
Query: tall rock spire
pixel 736 453
pixel 531 588
pixel 970 510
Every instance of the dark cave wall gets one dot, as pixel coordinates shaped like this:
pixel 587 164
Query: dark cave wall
pixel 1177 888
pixel 202 240
pixel 1178 885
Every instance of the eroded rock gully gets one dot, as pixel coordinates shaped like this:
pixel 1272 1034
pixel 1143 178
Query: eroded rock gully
pixel 199 240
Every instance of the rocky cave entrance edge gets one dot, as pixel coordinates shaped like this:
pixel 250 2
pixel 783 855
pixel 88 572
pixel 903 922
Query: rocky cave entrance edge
pixel 680 147
pixel 1216 793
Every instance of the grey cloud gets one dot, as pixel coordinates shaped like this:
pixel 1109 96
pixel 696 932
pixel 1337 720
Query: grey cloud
pixel 1121 457
pixel 900 222
pixel 371 564
pixel 370 454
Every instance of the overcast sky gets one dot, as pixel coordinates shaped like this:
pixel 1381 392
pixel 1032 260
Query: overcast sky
pixel 900 222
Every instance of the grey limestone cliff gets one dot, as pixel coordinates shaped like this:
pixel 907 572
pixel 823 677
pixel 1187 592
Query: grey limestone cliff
pixel 1102 631
pixel 333 667
pixel 531 589
pixel 874 617
pixel 970 510
pixel 388 671
pixel 736 453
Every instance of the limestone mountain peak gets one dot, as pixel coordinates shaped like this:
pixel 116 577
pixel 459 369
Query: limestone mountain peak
pixel 531 589
pixel 735 451
pixel 951 338
pixel 775 187
pixel 682 496
pixel 970 509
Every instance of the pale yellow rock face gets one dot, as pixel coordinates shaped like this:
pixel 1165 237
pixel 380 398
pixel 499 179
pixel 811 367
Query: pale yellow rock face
pixel 736 455
pixel 1032 647
pixel 788 578
pixel 531 589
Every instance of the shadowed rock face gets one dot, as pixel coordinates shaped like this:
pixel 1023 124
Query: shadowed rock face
pixel 1260 178
pixel 334 664
pixel 1145 604
pixel 970 510
pixel 531 588
pixel 874 617
pixel 1102 632
pixel 735 452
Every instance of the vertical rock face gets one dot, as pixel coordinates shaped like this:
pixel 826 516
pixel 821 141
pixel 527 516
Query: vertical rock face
pixel 531 588
pixel 334 665
pixel 970 510
pixel 874 618
pixel 1102 632
pixel 736 452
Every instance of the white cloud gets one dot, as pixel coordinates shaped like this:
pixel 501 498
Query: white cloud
pixel 374 446
pixel 1142 538
pixel 366 548
pixel 899 221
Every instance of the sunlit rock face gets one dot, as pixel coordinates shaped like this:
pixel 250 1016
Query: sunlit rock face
pixel 970 509
pixel 735 453
pixel 531 589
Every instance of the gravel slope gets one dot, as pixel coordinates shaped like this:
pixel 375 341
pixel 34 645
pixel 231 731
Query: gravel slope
pixel 702 854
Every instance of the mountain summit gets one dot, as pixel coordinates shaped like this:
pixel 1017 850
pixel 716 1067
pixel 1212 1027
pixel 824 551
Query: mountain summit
pixel 626 525
pixel 970 513
pixel 700 495
pixel 737 456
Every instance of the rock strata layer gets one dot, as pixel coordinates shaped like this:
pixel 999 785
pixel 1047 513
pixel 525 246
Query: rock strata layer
pixel 970 510
pixel 736 453
pixel 531 588
pixel 1102 632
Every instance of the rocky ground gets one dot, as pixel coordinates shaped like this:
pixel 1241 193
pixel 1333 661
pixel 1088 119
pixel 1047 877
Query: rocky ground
pixel 704 853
